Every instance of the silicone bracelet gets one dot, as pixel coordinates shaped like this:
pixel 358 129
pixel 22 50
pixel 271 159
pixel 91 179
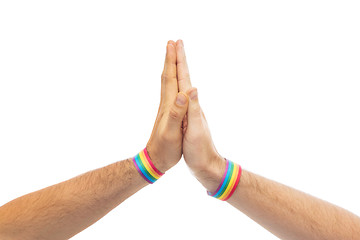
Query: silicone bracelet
pixel 229 181
pixel 145 167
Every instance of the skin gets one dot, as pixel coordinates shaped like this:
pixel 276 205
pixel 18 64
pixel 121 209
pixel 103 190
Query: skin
pixel 284 211
pixel 62 210
pixel 65 209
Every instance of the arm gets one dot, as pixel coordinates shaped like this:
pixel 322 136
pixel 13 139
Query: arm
pixel 291 214
pixel 63 210
pixel 286 212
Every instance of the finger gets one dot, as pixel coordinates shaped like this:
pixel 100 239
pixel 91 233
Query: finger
pixel 177 112
pixel 183 76
pixel 169 87
pixel 185 124
pixel 194 113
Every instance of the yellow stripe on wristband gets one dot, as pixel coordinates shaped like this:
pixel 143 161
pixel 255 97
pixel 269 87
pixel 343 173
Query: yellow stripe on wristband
pixel 231 183
pixel 147 165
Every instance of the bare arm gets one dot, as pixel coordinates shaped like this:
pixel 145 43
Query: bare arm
pixel 61 211
pixel 291 214
pixel 286 212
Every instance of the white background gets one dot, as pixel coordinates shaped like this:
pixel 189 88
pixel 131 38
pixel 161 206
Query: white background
pixel 278 82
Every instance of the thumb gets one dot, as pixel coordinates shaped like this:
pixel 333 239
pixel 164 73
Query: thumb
pixel 194 111
pixel 177 112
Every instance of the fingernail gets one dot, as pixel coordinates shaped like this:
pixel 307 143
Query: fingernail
pixel 193 94
pixel 171 42
pixel 180 99
pixel 180 43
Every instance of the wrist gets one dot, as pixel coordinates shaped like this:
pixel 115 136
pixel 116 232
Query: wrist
pixel 162 166
pixel 211 174
pixel 146 167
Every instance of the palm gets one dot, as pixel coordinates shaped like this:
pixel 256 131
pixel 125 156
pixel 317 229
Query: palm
pixel 198 147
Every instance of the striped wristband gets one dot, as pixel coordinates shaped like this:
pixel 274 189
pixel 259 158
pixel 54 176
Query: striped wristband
pixel 229 181
pixel 146 168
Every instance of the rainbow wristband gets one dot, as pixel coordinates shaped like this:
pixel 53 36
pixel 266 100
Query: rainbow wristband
pixel 229 181
pixel 146 168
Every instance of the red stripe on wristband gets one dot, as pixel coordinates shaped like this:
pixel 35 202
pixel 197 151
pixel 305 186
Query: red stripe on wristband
pixel 235 185
pixel 229 181
pixel 150 162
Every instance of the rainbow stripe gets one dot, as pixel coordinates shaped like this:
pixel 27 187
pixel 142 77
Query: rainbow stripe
pixel 146 168
pixel 229 182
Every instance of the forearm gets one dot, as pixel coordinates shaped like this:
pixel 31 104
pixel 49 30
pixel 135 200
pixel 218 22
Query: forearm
pixel 63 210
pixel 291 214
pixel 286 212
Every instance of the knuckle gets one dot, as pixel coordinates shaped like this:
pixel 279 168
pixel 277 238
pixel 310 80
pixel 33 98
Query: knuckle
pixel 173 113
pixel 197 110
pixel 184 76
pixel 192 93
pixel 190 90
pixel 166 76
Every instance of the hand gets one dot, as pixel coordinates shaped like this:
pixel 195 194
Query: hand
pixel 199 151
pixel 165 144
